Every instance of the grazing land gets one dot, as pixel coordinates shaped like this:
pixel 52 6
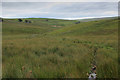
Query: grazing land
pixel 53 48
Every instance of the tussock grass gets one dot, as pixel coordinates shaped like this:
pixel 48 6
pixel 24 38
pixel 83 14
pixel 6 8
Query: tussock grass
pixel 38 50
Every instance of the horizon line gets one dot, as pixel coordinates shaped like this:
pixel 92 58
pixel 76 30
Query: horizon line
pixel 60 18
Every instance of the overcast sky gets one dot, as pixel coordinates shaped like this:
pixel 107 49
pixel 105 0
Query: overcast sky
pixel 61 10
pixel 60 0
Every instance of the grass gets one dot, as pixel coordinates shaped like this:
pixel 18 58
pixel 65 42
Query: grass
pixel 39 50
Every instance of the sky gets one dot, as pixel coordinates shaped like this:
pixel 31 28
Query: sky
pixel 60 0
pixel 59 10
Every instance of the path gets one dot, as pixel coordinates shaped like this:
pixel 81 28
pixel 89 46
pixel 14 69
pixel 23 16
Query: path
pixel 92 73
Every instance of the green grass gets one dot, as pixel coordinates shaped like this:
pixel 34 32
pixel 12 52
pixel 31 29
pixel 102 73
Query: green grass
pixel 59 52
pixel 102 27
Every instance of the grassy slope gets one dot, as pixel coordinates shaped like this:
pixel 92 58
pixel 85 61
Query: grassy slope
pixel 37 26
pixel 59 51
pixel 101 27
pixel 102 34
pixel 96 19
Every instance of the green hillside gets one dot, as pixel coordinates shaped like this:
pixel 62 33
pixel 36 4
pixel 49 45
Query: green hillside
pixel 12 26
pixel 96 19
pixel 59 48
pixel 101 27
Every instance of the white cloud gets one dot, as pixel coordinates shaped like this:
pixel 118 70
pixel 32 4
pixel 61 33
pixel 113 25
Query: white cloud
pixel 110 13
pixel 60 0
pixel 76 18
pixel 59 9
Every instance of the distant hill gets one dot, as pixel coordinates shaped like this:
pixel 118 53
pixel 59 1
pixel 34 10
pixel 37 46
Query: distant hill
pixel 96 19
pixel 100 27
pixel 37 25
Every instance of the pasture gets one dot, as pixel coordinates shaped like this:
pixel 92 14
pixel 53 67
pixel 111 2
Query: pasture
pixel 56 48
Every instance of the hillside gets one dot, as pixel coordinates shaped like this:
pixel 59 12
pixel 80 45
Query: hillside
pixel 101 27
pixel 96 19
pixel 38 25
pixel 51 48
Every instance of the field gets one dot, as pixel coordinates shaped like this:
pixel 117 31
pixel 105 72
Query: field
pixel 59 48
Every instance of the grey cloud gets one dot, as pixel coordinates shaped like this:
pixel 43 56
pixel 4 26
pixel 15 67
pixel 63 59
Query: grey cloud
pixel 59 9
pixel 60 0
pixel 91 6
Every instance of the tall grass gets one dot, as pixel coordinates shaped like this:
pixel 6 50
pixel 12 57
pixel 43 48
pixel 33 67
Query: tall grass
pixel 38 50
